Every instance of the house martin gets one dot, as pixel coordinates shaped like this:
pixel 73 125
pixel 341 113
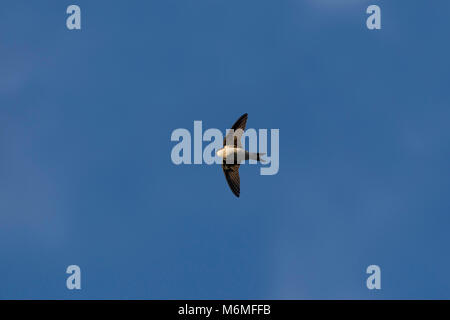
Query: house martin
pixel 233 154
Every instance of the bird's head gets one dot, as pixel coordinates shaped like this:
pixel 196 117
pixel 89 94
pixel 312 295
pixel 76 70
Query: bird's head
pixel 220 153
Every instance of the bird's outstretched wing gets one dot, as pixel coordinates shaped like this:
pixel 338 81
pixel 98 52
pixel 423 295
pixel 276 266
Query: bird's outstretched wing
pixel 234 137
pixel 231 172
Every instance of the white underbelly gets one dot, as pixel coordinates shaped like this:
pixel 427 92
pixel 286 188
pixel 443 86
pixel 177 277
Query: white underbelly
pixel 229 153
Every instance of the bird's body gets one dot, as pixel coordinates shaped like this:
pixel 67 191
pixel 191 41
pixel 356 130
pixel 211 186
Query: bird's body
pixel 233 154
pixel 229 151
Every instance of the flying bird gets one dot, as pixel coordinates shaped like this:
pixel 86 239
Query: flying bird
pixel 233 154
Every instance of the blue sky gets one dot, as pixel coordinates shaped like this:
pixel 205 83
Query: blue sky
pixel 86 176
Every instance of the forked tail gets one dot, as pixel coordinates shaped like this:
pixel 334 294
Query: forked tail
pixel 255 156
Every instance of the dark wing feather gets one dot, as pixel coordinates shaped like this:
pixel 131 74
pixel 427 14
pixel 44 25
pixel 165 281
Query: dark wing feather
pixel 239 124
pixel 232 175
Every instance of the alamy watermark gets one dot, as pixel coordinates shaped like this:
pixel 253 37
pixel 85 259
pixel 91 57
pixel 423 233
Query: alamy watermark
pixel 74 280
pixel 374 280
pixel 252 140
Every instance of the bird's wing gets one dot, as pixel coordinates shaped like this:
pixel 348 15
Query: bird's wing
pixel 234 137
pixel 232 175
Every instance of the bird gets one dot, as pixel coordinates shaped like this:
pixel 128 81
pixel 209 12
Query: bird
pixel 233 154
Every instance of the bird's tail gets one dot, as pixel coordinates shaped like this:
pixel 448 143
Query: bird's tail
pixel 255 156
pixel 259 155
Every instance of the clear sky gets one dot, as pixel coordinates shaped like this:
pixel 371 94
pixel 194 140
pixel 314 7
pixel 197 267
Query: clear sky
pixel 86 176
